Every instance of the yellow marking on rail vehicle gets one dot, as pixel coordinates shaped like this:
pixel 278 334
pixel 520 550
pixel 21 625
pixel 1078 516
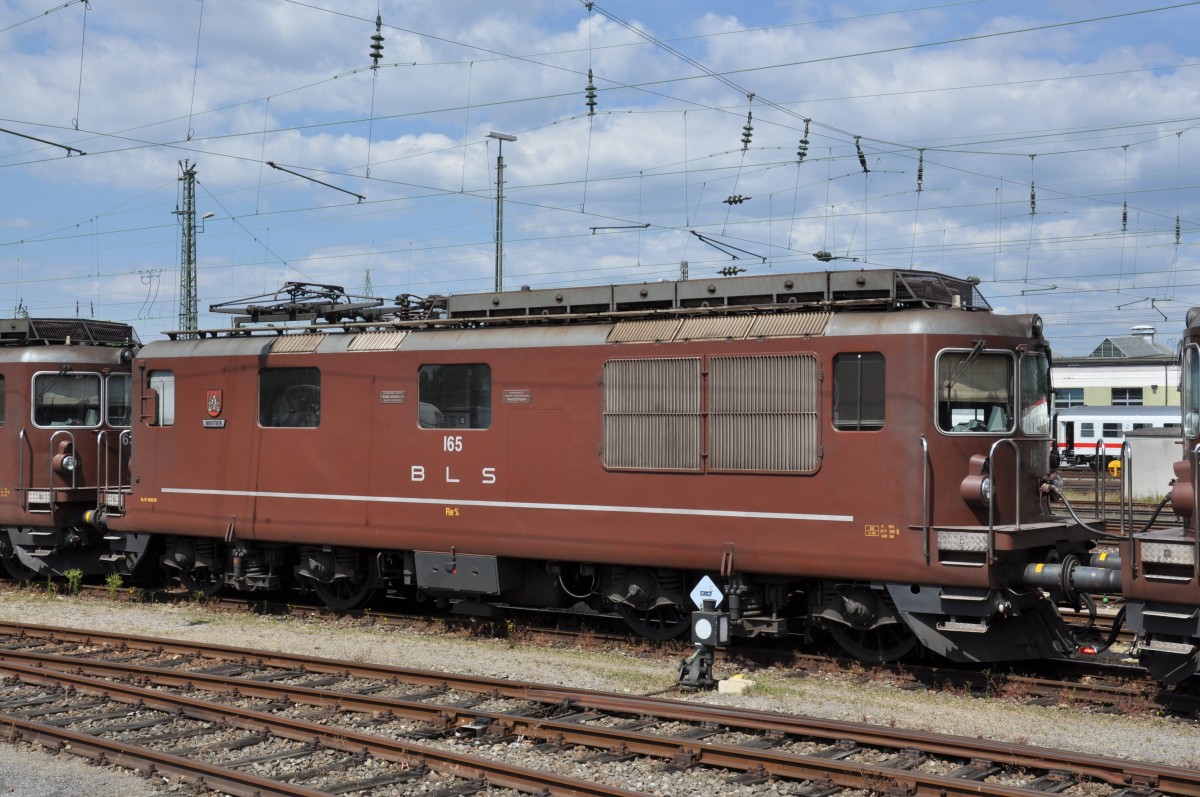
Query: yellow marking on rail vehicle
pixel 148 500
pixel 884 531
pixel 452 511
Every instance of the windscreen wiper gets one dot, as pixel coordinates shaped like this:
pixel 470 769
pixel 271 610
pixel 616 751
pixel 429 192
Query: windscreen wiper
pixel 976 348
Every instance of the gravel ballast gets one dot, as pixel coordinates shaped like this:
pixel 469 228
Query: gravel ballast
pixel 838 696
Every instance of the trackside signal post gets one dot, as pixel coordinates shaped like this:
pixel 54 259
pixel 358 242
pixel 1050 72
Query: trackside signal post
pixel 710 630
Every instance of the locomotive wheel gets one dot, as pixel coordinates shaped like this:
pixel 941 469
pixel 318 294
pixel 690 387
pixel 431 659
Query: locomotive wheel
pixel 16 569
pixel 202 580
pixel 666 621
pixel 877 645
pixel 344 594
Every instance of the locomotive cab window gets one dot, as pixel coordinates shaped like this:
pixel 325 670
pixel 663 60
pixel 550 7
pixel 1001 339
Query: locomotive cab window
pixel 975 391
pixel 1035 394
pixel 455 396
pixel 289 397
pixel 66 399
pixel 858 391
pixel 120 393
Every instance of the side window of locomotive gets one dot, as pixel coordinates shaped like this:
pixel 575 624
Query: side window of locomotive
pixel 1035 390
pixel 163 385
pixel 120 394
pixel 975 392
pixel 289 397
pixel 858 391
pixel 66 399
pixel 454 396
pixel 1190 385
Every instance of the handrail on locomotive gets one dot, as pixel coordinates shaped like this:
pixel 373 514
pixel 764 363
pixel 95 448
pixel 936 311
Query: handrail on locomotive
pixel 991 551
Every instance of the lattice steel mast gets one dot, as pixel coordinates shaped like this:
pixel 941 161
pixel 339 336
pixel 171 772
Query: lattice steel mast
pixel 188 315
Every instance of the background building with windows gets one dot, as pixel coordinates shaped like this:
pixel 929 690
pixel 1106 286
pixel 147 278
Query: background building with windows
pixel 1128 371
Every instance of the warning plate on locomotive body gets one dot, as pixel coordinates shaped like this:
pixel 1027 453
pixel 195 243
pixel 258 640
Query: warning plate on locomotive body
pixel 520 396
pixel 210 423
pixel 392 397
pixel 707 590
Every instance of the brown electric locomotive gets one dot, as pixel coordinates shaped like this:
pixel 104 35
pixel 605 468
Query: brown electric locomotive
pixel 858 451
pixel 1161 572
pixel 65 421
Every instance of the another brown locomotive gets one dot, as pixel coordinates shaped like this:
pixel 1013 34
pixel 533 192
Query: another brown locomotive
pixel 859 451
pixel 65 421
pixel 1161 571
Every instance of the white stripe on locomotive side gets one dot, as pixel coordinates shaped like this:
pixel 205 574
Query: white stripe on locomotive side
pixel 389 499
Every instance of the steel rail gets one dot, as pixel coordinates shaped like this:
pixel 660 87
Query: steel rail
pixel 337 738
pixel 1127 688
pixel 148 761
pixel 1117 772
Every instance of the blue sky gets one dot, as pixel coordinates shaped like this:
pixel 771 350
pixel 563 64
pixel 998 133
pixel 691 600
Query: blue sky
pixel 1046 148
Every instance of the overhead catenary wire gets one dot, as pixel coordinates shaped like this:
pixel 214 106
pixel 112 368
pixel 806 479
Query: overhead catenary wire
pixel 874 209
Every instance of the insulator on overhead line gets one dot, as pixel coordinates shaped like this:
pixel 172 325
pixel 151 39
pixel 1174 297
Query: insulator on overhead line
pixel 862 159
pixel 1176 229
pixel 747 131
pixel 735 199
pixel 377 43
pixel 1032 199
pixel 920 169
pixel 1125 216
pixel 802 149
pixel 591 95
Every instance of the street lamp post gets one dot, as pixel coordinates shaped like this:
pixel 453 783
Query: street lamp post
pixel 501 138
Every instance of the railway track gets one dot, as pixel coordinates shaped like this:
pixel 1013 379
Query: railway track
pixel 259 723
pixel 1106 684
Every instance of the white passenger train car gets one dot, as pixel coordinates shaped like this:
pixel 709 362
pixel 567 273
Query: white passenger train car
pixel 1083 434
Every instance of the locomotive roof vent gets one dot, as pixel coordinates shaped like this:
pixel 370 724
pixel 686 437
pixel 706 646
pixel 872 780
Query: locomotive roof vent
pixel 65 332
